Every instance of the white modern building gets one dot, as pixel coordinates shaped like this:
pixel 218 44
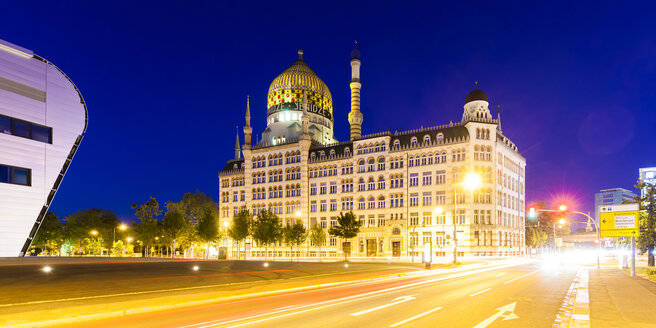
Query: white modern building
pixel 42 120
pixel 647 175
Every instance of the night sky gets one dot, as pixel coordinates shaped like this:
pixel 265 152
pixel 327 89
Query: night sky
pixel 166 83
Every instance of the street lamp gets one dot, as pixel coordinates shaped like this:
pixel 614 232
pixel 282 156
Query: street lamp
pixel 121 227
pixel 129 239
pixel 156 245
pixel 94 233
pixel 471 182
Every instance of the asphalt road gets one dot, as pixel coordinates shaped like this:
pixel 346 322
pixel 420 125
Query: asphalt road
pixel 525 295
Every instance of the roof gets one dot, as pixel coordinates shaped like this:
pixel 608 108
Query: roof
pixel 476 94
pixel 230 165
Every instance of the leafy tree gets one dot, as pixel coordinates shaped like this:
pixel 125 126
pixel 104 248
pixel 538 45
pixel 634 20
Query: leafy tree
pixel 173 225
pixel 535 237
pixel 147 228
pixel 78 227
pixel 545 223
pixel 208 227
pixel 266 230
pixel 295 235
pixel 118 248
pixel 241 228
pixel 50 235
pixel 318 237
pixel 192 206
pixel 347 227
pixel 647 238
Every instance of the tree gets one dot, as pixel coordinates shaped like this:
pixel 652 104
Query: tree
pixel 78 227
pixel 535 237
pixel 241 228
pixel 347 227
pixel 173 225
pixel 647 238
pixel 318 237
pixel 295 235
pixel 147 228
pixel 192 206
pixel 267 229
pixel 208 228
pixel 50 234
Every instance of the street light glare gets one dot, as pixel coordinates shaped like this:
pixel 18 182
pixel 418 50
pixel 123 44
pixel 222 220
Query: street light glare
pixel 298 213
pixel 47 269
pixel 122 227
pixel 94 232
pixel 226 224
pixel 438 210
pixel 561 221
pixel 472 181
pixel 563 208
pixel 195 268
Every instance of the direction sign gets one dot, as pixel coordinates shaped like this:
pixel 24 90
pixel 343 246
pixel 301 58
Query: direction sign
pixel 619 220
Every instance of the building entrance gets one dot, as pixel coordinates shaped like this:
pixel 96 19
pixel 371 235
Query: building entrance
pixel 371 247
pixel 396 248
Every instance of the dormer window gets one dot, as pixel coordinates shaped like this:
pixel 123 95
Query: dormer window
pixel 426 139
pixel 313 156
pixel 332 153
pixel 440 137
pixel 397 144
pixel 413 141
pixel 347 151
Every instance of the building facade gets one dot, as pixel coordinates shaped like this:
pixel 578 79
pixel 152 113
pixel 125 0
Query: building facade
pixel 42 120
pixel 404 187
pixel 612 197
pixel 647 175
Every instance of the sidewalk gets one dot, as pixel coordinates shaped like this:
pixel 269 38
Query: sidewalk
pixel 619 300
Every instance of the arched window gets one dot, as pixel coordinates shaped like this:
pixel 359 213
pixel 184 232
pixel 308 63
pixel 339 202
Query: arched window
pixel 332 153
pixel 372 202
pixel 440 137
pixel 478 133
pixel 411 162
pixel 361 205
pixel 313 156
pixel 426 139
pixel 361 165
pixel 371 184
pixel 381 202
pixel 371 165
pixel 423 160
pixel 347 151
pixel 235 166
pixel 381 163
pixel 381 182
pixel 413 141
pixel 361 184
pixel 397 143
pixel 443 157
pixel 322 155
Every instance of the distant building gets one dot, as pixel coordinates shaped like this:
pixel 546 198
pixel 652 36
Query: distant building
pixel 42 119
pixel 612 197
pixel 404 187
pixel 648 175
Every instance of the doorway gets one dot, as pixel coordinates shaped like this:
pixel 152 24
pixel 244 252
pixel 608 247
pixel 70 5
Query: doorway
pixel 396 248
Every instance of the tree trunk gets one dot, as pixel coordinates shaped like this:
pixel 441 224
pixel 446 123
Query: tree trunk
pixel 319 252
pixel 274 251
pixel 291 250
pixel 650 257
pixel 238 250
pixel 266 252
pixel 298 252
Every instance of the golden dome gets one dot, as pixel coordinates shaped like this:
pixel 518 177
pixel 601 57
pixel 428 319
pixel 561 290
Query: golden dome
pixel 288 87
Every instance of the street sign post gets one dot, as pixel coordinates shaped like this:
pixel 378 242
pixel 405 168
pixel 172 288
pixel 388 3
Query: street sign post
pixel 621 221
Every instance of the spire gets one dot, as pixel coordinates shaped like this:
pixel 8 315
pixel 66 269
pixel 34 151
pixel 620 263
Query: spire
pixel 499 118
pixel 237 148
pixel 248 110
pixel 355 53
pixel 300 54
pixel 306 118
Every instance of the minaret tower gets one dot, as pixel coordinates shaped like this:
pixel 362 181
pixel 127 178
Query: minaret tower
pixel 237 148
pixel 355 116
pixel 248 130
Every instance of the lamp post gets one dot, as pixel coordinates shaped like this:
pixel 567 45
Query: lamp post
pixel 129 239
pixel 472 182
pixel 93 239
pixel 121 227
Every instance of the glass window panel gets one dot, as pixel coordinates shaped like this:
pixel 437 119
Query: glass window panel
pixel 4 173
pixel 5 125
pixel 21 176
pixel 21 129
pixel 41 133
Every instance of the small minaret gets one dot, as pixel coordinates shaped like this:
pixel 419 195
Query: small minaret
pixel 355 116
pixel 499 118
pixel 305 121
pixel 248 130
pixel 237 148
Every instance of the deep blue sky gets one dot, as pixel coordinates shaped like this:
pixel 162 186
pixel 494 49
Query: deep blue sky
pixel 166 83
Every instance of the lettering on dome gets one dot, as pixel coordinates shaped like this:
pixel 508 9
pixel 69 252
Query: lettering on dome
pixel 296 96
pixel 299 107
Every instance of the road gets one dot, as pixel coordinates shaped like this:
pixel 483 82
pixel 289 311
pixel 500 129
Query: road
pixel 518 295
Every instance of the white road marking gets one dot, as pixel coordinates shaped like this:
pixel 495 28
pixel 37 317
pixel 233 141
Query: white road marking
pixel 347 299
pixel 506 308
pixel 415 317
pixel 397 300
pixel 500 274
pixel 481 292
pixel 520 277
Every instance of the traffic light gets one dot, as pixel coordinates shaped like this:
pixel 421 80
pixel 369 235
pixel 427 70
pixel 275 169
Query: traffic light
pixel 531 213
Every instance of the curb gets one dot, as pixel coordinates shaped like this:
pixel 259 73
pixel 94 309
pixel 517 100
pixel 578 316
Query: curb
pixel 581 312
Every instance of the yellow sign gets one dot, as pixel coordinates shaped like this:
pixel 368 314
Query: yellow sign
pixel 619 220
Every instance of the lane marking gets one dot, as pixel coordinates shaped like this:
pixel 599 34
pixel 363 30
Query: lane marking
pixel 481 292
pixel 500 274
pixel 416 317
pixel 500 314
pixel 396 301
pixel 520 277
pixel 338 301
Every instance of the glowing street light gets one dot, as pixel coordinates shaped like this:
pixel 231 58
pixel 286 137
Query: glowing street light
pixel 471 182
pixel 47 269
pixel 94 233
pixel 562 208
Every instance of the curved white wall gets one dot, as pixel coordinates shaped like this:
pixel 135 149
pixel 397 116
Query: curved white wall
pixel 34 90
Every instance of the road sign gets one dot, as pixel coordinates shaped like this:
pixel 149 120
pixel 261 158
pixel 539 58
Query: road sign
pixel 619 220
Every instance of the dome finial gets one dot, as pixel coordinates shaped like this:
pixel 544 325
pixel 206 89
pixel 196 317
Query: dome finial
pixel 355 54
pixel 475 84
pixel 300 54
